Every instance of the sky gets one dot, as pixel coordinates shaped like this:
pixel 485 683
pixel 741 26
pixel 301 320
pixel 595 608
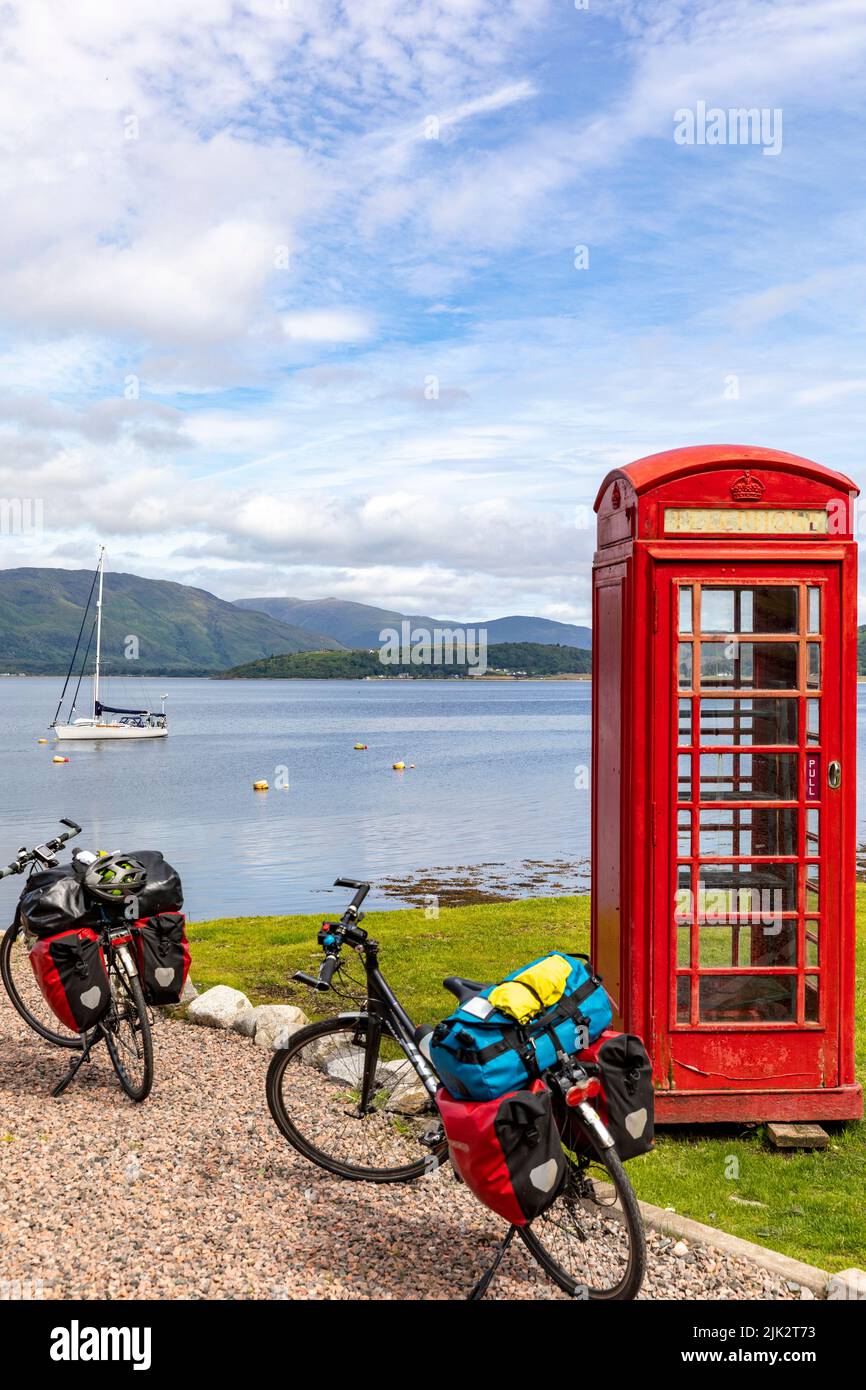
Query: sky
pixel 364 299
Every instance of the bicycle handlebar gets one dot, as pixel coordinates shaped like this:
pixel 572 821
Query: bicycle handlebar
pixel 44 853
pixel 332 936
pixel 362 891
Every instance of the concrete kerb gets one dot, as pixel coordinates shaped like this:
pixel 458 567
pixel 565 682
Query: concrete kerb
pixel 792 1271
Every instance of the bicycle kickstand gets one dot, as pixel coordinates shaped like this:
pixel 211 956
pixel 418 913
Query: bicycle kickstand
pixel 486 1279
pixel 83 1056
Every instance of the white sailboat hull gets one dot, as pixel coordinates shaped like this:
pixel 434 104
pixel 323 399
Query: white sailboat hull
pixel 100 731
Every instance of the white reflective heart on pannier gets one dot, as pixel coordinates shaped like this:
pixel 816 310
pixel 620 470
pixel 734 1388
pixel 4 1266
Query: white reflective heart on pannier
pixel 545 1175
pixel 164 976
pixel 92 998
pixel 635 1123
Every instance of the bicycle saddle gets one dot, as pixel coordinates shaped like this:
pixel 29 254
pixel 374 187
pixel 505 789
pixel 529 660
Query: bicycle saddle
pixel 462 989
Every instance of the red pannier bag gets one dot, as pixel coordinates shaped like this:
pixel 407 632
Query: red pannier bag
pixel 625 1104
pixel 507 1151
pixel 70 971
pixel 162 952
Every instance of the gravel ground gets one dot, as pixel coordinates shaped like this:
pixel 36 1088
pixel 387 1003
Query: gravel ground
pixel 194 1194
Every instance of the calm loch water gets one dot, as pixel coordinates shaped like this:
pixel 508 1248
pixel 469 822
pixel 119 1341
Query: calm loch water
pixel 491 799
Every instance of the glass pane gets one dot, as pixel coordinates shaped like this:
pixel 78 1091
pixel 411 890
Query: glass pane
pixel 685 610
pixel 811 1014
pixel 684 832
pixel 750 665
pixel 751 830
pixel 683 897
pixel 814 610
pixel 759 891
pixel 813 665
pixel 685 721
pixel 684 991
pixel 813 894
pixel 813 721
pixel 684 666
pixel 748 721
pixel 748 777
pixel 747 998
pixel 684 776
pixel 813 835
pixel 768 609
pixel 812 936
pixel 684 945
pixel 746 944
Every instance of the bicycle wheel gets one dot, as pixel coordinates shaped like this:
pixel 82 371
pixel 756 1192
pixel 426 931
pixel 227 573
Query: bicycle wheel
pixel 591 1240
pixel 314 1094
pixel 25 994
pixel 126 1029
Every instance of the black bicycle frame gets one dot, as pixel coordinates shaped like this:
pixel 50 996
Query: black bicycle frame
pixel 385 1012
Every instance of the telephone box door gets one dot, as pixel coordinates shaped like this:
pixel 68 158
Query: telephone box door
pixel 747 791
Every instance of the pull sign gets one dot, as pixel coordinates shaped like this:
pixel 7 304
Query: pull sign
pixel 813 777
pixel 834 775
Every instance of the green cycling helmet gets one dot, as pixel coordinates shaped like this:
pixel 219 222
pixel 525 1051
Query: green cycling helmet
pixel 115 877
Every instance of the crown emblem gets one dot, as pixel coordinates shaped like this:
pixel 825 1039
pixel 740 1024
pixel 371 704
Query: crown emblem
pixel 747 488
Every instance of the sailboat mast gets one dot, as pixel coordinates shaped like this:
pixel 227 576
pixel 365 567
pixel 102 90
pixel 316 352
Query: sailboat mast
pixel 98 630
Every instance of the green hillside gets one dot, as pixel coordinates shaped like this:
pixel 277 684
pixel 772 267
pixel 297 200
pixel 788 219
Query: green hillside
pixel 358 625
pixel 525 658
pixel 180 630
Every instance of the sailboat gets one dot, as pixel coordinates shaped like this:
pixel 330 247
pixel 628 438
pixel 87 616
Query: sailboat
pixel 104 721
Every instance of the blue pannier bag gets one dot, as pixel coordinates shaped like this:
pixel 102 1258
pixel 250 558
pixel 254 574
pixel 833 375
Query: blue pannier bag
pixel 512 1032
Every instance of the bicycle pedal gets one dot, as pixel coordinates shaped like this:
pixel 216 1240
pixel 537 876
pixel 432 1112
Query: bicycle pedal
pixel 433 1137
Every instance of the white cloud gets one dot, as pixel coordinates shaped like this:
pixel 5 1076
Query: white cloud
pixel 327 326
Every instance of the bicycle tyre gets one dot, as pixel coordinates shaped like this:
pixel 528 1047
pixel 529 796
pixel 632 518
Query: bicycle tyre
pixel 629 1287
pixel 282 1060
pixel 140 1090
pixel 7 973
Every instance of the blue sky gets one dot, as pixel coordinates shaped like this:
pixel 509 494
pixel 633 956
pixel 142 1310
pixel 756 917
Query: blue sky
pixel 262 333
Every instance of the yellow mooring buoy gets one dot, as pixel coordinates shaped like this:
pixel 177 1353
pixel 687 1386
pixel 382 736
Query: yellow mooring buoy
pixel 260 786
pixel 360 745
pixel 60 760
pixel 398 767
pixel 42 740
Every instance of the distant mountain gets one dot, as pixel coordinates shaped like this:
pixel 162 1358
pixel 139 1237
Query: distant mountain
pixel 511 658
pixel 180 630
pixel 358 625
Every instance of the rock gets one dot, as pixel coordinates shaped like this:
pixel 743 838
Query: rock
pixel 408 1095
pixel 245 1023
pixel 274 1024
pixel 347 1070
pixel 189 992
pixel 220 1007
pixel 680 1249
pixel 408 1099
pixel 806 1294
pixel 848 1284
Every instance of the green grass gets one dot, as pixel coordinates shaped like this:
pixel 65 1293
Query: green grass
pixel 811 1203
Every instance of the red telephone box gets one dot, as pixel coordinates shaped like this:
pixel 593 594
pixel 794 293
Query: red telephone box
pixel 723 783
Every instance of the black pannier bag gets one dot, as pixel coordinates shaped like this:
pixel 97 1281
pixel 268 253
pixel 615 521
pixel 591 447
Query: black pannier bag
pixel 163 956
pixel 52 901
pixel 163 892
pixel 625 1105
